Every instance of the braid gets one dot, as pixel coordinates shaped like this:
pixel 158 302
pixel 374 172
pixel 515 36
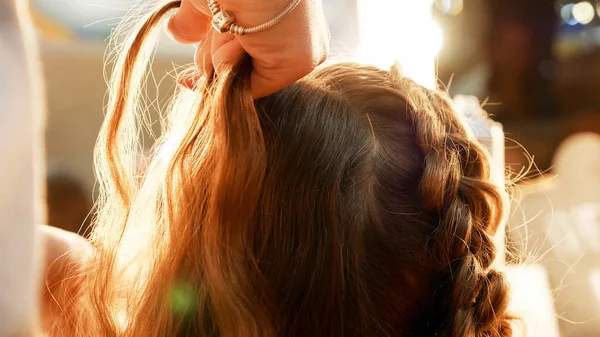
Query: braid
pixel 456 186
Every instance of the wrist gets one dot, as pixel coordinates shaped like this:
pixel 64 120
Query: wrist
pixel 253 13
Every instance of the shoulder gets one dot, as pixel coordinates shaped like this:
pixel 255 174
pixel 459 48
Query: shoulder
pixel 63 265
pixel 59 244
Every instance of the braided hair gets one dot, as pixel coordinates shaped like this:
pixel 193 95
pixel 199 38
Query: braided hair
pixel 456 185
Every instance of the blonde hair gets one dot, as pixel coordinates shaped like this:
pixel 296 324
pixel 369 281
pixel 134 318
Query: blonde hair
pixel 353 202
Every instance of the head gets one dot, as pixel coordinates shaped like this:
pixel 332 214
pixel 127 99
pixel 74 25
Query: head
pixel 354 202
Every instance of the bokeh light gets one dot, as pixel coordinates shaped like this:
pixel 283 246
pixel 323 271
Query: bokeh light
pixel 566 14
pixel 584 12
pixel 450 7
pixel 182 299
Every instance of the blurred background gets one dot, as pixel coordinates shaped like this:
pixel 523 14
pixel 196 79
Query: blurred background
pixel 534 65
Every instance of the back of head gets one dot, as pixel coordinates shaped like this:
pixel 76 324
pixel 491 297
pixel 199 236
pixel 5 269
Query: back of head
pixel 352 203
pixel 380 210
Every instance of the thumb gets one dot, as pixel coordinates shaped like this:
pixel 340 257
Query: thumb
pixel 189 24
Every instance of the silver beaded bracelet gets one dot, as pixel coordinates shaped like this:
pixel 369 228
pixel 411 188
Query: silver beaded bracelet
pixel 224 21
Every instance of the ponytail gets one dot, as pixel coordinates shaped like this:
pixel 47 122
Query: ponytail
pixel 198 202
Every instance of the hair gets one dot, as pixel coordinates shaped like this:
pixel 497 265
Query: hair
pixel 352 203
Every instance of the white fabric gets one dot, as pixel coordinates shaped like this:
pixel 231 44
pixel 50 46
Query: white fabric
pixel 19 176
pixel 556 222
pixel 532 302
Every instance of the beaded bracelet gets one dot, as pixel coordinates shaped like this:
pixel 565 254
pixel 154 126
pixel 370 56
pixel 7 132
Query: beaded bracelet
pixel 224 21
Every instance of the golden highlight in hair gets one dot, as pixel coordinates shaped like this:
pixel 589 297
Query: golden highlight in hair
pixel 352 203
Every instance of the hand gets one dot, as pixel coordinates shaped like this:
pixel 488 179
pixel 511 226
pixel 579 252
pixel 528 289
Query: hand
pixel 280 55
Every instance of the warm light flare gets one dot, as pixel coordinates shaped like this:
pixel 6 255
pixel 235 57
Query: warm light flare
pixel 451 7
pixel 402 31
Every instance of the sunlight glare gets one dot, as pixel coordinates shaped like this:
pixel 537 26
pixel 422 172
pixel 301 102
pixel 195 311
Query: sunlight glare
pixel 402 31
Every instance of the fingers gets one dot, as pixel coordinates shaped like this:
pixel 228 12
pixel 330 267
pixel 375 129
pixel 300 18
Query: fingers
pixel 212 54
pixel 225 49
pixel 220 49
pixel 265 83
pixel 189 78
pixel 274 68
pixel 203 58
pixel 204 65
pixel 267 79
pixel 189 25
